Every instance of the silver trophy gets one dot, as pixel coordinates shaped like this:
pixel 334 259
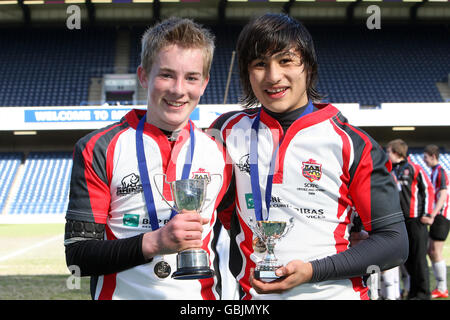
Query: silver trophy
pixel 269 232
pixel 190 194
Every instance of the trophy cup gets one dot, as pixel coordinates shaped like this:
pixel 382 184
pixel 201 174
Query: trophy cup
pixel 269 232
pixel 189 194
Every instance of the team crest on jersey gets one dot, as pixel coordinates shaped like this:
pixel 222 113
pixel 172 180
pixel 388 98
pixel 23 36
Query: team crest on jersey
pixel 244 163
pixel 130 185
pixel 201 174
pixel 312 170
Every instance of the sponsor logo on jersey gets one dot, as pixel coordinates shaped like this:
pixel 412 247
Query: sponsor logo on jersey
pixel 249 201
pixel 201 174
pixel 244 163
pixel 275 202
pixel 130 185
pixel 312 170
pixel 311 213
pixel 131 220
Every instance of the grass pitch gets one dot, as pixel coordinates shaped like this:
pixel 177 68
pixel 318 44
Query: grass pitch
pixel 33 267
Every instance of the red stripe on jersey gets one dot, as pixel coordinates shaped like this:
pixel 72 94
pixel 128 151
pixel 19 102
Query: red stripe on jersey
pixel 362 187
pixel 358 286
pixel 99 193
pixel 109 280
pixel 207 284
pixel 246 247
pixel 430 191
pixel 326 112
pixel 413 210
pixel 227 129
pixel 110 155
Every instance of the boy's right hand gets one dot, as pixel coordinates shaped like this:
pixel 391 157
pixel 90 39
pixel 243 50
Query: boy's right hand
pixel 183 231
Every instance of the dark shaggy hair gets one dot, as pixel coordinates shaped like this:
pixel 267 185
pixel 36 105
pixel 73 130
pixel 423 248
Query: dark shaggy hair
pixel 270 34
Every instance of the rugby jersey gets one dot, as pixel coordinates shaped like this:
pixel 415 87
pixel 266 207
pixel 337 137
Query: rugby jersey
pixel 106 188
pixel 325 170
pixel 415 188
pixel 439 179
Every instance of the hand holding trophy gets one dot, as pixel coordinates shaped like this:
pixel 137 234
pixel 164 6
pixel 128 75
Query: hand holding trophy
pixel 189 194
pixel 268 232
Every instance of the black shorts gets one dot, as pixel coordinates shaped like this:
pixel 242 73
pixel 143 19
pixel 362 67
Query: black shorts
pixel 439 229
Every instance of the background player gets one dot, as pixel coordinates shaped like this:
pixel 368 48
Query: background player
pixel 118 231
pixel 416 194
pixel 438 220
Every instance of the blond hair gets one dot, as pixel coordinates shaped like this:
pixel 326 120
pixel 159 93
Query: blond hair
pixel 180 31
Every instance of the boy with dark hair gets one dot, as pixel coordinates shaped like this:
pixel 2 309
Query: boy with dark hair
pixel 308 164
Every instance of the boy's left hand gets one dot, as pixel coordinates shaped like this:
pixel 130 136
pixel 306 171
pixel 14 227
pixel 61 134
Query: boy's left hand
pixel 293 274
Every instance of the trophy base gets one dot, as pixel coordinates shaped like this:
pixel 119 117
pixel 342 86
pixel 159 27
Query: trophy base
pixel 266 275
pixel 192 273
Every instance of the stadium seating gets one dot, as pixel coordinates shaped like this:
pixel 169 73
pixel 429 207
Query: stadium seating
pixel 44 188
pixel 393 64
pixel 9 164
pixel 52 67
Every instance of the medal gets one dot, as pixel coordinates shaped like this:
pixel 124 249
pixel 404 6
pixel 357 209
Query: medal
pixel 258 245
pixel 162 269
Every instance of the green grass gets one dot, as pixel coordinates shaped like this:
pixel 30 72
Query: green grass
pixel 41 273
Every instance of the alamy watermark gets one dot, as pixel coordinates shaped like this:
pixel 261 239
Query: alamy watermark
pixel 73 282
pixel 374 20
pixel 74 19
pixel 374 281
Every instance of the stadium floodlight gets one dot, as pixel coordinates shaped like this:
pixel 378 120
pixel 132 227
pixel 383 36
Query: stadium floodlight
pixel 25 133
pixel 33 2
pixel 403 128
pixel 142 1
pixel 74 1
pixel 9 2
pixel 101 1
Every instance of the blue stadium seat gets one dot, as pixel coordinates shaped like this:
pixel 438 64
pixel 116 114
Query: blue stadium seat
pixel 44 188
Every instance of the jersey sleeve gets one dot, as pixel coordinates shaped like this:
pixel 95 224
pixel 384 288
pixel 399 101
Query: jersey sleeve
pixel 372 187
pixel 89 197
pixel 442 180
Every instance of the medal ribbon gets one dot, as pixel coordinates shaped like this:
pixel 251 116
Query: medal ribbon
pixel 254 169
pixel 143 170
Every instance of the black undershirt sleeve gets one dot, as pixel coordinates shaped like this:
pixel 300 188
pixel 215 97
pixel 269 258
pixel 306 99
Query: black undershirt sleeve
pixel 386 248
pixel 97 257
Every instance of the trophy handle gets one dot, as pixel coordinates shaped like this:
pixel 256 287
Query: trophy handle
pixel 217 193
pixel 160 193
pixel 288 228
pixel 255 229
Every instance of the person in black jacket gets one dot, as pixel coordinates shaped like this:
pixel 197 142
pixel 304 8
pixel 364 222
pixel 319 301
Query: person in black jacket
pixel 416 196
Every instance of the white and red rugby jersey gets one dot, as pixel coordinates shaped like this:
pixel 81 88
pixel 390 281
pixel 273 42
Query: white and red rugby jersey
pixel 440 182
pixel 325 167
pixel 106 189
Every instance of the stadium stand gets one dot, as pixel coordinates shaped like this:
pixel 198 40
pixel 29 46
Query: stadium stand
pixel 44 187
pixel 393 64
pixel 9 164
pixel 62 64
pixel 355 64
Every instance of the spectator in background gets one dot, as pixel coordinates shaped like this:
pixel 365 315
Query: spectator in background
pixel 416 194
pixel 438 220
